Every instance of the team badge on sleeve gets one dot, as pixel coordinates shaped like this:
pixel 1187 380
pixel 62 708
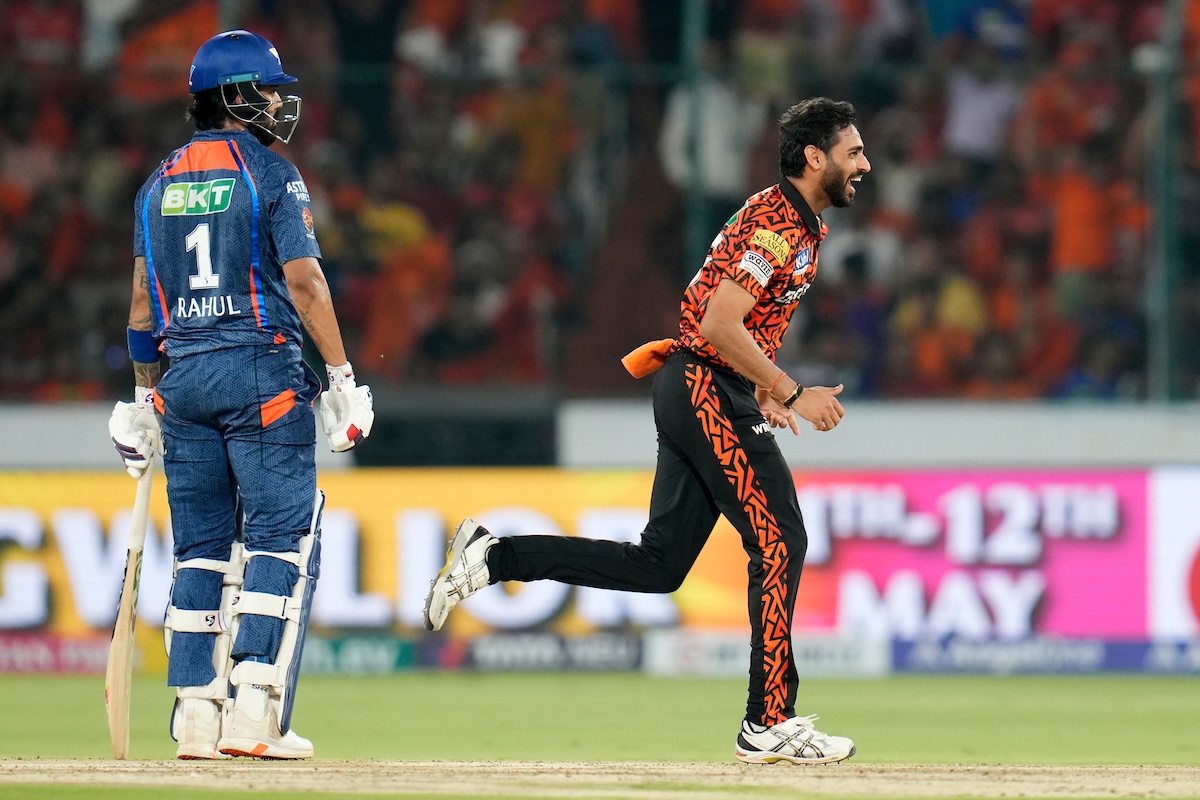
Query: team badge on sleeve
pixel 773 243
pixel 307 216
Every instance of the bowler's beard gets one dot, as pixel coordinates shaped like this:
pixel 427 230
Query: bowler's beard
pixel 833 183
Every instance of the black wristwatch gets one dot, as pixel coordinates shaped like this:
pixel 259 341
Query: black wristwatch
pixel 793 397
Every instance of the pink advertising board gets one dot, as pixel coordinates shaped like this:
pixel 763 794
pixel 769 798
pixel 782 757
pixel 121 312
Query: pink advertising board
pixel 978 555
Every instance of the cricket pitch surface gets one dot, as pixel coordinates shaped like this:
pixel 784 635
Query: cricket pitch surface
pixel 653 781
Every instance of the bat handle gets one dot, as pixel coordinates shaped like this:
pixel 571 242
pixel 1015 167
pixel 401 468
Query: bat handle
pixel 141 508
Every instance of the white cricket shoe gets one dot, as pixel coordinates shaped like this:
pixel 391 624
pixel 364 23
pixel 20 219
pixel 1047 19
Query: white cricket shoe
pixel 794 740
pixel 465 573
pixel 253 730
pixel 196 725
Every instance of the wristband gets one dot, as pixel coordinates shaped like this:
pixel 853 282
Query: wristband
pixel 340 375
pixel 782 374
pixel 143 395
pixel 793 397
pixel 142 347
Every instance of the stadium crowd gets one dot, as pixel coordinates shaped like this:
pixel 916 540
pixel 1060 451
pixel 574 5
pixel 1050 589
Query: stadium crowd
pixel 465 158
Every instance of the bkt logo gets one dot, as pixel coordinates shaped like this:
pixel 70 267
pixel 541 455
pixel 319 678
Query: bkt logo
pixel 209 197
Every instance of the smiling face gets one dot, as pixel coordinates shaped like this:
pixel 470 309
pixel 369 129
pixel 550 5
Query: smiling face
pixel 842 166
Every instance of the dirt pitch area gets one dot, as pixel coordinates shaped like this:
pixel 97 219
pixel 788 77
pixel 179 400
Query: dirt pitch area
pixel 652 781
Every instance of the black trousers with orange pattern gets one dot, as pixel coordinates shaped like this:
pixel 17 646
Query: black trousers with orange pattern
pixel 715 457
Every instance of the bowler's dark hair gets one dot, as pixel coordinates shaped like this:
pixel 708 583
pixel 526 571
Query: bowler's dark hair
pixel 817 121
pixel 208 109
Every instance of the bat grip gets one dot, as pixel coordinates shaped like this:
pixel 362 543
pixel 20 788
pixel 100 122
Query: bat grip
pixel 141 508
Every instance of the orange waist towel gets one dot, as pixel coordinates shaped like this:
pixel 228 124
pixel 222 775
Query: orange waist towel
pixel 649 357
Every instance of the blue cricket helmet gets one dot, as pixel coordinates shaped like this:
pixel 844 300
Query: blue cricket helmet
pixel 246 61
pixel 236 57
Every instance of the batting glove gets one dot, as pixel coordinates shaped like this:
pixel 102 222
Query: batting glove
pixel 136 431
pixel 346 412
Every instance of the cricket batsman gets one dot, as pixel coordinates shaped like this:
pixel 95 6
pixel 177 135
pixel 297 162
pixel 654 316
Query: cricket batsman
pixel 226 274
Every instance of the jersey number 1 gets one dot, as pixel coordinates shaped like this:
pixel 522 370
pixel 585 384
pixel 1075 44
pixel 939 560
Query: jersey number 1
pixel 198 240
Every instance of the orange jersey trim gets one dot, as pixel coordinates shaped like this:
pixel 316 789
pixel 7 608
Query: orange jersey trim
pixel 277 406
pixel 204 156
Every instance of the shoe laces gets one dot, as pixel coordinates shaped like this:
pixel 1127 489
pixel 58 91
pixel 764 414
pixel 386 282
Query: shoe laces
pixel 802 723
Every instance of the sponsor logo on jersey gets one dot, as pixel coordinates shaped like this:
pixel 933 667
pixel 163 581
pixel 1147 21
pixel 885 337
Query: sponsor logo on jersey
pixel 298 188
pixel 306 215
pixel 757 266
pixel 207 197
pixel 792 295
pixel 803 259
pixel 773 243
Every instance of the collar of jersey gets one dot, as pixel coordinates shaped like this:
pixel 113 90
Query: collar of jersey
pixel 223 134
pixel 800 206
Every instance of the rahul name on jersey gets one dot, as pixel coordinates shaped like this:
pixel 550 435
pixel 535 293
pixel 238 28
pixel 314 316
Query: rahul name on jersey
pixel 219 306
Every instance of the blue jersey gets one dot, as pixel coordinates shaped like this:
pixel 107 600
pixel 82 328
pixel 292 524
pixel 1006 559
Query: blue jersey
pixel 216 222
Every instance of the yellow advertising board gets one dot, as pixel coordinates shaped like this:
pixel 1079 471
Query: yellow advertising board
pixel 62 546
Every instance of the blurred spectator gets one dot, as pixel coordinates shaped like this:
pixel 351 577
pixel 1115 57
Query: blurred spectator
pixel 42 37
pixel 981 100
pixel 101 32
pixel 483 173
pixel 724 130
pixel 1001 24
pixel 162 35
pixel 1021 305
pixel 1097 376
pixel 1075 100
pixel 940 311
pixel 1094 211
pixel 999 375
pixel 408 299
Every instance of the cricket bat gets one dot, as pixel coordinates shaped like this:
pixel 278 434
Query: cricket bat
pixel 120 653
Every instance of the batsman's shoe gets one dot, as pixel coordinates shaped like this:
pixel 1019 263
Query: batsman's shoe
pixel 465 572
pixel 196 725
pixel 794 740
pixel 253 730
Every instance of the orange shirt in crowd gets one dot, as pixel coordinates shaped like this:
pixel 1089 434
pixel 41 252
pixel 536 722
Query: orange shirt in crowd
pixel 939 353
pixel 1088 218
pixel 152 66
pixel 409 296
pixel 1012 389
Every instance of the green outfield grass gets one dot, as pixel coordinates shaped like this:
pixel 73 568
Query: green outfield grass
pixel 620 717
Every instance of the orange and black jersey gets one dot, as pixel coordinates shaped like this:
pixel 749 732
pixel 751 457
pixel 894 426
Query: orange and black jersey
pixel 770 249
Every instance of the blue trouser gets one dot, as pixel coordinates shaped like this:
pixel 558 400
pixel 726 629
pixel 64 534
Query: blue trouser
pixel 239 433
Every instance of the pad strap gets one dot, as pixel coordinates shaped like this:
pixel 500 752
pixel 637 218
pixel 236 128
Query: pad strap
pixel 212 565
pixel 258 672
pixel 297 559
pixel 267 605
pixel 187 621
